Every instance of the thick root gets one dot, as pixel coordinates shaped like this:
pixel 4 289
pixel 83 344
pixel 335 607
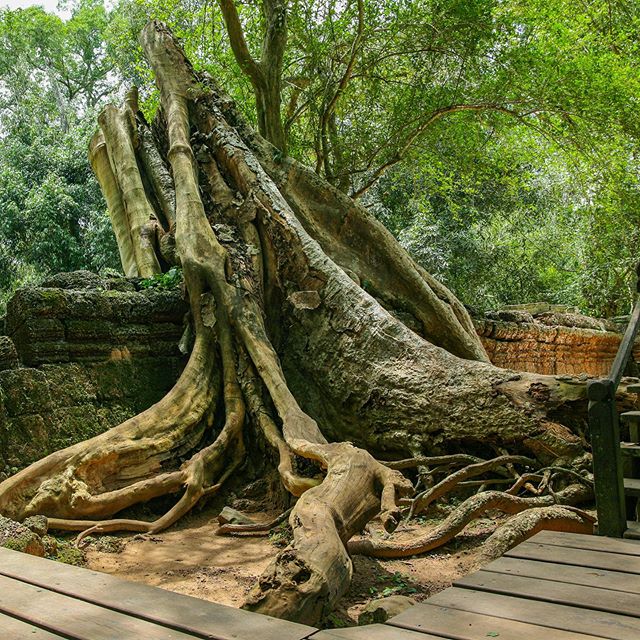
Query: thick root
pixel 101 476
pixel 526 524
pixel 424 499
pixel 310 575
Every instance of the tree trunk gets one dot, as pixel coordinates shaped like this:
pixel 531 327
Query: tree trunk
pixel 312 325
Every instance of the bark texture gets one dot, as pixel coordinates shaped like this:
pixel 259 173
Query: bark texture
pixel 312 327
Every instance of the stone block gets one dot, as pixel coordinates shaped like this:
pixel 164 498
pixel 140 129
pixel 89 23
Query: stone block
pixel 74 424
pixel 8 354
pixel 70 385
pixel 26 391
pixel 26 439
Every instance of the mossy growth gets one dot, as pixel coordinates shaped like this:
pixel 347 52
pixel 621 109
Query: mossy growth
pixel 64 550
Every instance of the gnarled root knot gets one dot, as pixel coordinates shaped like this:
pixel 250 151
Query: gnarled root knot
pixel 306 579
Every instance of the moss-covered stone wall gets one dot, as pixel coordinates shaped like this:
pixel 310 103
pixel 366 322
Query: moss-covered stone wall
pixel 79 356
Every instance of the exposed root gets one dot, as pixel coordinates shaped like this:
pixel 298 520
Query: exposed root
pixel 99 477
pixel 308 577
pixel 429 461
pixel 469 510
pixel 526 524
pixel 294 483
pixel 424 499
pixel 525 481
pixel 253 529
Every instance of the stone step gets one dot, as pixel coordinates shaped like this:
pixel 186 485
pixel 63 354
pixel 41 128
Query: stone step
pixel 630 449
pixel 632 487
pixel 630 416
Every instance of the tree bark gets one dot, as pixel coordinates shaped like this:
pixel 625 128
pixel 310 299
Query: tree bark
pixel 312 325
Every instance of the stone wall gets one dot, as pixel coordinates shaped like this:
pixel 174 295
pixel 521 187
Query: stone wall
pixel 77 361
pixel 551 343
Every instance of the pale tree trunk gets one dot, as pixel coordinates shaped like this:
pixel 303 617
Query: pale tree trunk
pixel 312 326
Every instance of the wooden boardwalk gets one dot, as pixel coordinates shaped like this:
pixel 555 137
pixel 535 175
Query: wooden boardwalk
pixel 556 586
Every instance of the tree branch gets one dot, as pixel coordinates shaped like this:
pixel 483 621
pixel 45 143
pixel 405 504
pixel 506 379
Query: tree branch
pixel 239 45
pixel 342 85
pixel 434 117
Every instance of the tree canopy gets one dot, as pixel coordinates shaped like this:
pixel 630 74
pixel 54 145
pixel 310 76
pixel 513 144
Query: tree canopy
pixel 498 140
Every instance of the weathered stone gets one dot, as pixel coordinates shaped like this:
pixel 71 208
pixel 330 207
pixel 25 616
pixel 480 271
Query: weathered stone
pixel 232 516
pixel 38 524
pixel 50 546
pixel 94 359
pixel 510 315
pixel 381 609
pixel 16 536
pixel 571 320
pixel 535 308
pixel 8 354
pixel 71 424
pixel 74 280
pixel 25 439
pixel 26 391
pixel 539 348
pixel 69 385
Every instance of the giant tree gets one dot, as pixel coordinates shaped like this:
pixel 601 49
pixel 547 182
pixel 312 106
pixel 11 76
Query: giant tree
pixel 315 333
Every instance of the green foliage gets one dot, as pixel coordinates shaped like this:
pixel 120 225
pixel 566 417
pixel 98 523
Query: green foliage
pixel 281 535
pixel 64 550
pixel 169 280
pixel 507 219
pixel 54 75
pixel 398 586
pixel 509 128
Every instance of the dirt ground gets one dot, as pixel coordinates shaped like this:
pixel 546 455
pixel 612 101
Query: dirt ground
pixel 191 559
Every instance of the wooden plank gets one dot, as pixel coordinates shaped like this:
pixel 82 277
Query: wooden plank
pixel 191 615
pixel 631 449
pixel 572 595
pixel 577 557
pixel 14 629
pixel 551 615
pixel 583 541
pixel 464 625
pixel 600 578
pixel 75 619
pixel 371 632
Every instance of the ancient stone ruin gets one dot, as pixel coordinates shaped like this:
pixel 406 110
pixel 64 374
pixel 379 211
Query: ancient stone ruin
pixel 82 353
pixel 551 339
pixel 79 355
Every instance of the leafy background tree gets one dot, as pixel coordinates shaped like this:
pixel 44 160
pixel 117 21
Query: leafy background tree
pixel 497 140
pixel 54 75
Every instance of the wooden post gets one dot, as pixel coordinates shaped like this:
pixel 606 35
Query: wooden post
pixel 607 458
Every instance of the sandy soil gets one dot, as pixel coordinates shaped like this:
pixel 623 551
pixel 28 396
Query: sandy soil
pixel 191 559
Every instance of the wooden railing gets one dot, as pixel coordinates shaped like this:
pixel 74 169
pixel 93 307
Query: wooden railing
pixel 604 425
